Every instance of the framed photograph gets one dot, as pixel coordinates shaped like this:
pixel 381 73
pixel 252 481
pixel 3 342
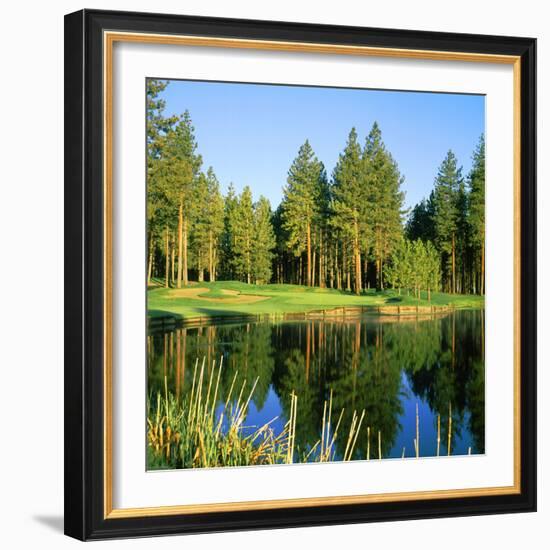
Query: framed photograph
pixel 300 274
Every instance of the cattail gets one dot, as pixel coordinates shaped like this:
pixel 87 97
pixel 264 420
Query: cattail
pixel 450 430
pixel 368 442
pixel 417 433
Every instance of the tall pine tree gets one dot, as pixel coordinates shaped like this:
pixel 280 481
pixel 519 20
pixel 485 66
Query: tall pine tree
pixel 263 243
pixel 476 182
pixel 383 181
pixel 242 231
pixel 352 204
pixel 446 215
pixel 302 203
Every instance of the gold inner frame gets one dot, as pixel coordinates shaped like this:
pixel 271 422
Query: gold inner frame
pixel 109 39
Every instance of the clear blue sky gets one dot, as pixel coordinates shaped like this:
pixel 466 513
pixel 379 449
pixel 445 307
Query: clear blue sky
pixel 250 133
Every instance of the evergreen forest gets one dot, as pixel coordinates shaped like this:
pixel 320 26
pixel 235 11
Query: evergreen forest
pixel 342 227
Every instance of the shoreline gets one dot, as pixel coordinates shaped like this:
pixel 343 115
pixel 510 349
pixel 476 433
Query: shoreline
pixel 342 313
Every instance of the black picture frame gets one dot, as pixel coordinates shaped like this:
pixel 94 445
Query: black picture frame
pixel 84 280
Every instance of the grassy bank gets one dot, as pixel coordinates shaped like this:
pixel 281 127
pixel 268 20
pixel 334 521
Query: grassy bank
pixel 231 298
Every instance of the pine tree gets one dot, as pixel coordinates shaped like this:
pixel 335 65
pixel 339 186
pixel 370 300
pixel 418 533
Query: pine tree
pixel 395 271
pixel 158 125
pixel 476 183
pixel 351 203
pixel 433 268
pixel 383 182
pixel 181 172
pixel 215 216
pixel 207 223
pixel 263 243
pixel 420 224
pixel 199 224
pixel 282 261
pixel 242 231
pixel 227 241
pixel 419 266
pixel 447 185
pixel 463 238
pixel 322 226
pixel 302 202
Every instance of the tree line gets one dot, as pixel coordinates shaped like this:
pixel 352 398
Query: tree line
pixel 453 218
pixel 346 231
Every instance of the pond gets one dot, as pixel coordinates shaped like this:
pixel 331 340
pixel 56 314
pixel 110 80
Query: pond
pixel 409 375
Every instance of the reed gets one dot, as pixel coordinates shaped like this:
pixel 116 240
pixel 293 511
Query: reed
pixel 368 442
pixel 417 440
pixel 189 433
pixel 450 430
pixel 438 433
pixel 201 430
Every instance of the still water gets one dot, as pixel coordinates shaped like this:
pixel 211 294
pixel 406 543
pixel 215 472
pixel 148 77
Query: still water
pixel 390 367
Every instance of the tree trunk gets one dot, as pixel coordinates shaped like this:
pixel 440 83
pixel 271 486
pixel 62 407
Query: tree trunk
pixel 337 268
pixel 482 282
pixel 214 262
pixel 357 260
pixel 150 263
pixel 180 243
pixel 313 260
pixel 453 262
pixel 358 283
pixel 167 265
pixel 321 278
pixel 345 266
pixel 248 267
pixel 173 260
pixel 200 267
pixel 308 245
pixel 185 275
pixel 212 276
pixel 365 272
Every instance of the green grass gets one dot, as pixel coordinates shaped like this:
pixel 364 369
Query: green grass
pixel 281 299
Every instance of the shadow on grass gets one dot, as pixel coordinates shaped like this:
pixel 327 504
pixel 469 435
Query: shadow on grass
pixel 394 300
pixel 160 314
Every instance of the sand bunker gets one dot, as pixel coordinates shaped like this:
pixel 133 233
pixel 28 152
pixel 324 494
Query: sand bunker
pixel 233 296
pixel 188 292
